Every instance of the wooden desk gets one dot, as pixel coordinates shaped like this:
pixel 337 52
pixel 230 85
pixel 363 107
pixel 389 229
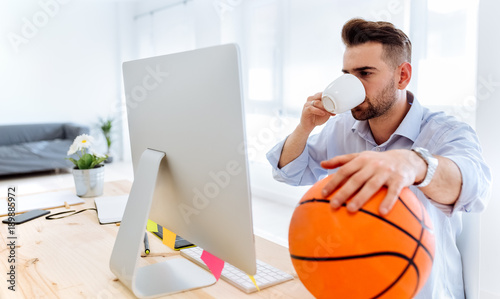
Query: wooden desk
pixel 69 258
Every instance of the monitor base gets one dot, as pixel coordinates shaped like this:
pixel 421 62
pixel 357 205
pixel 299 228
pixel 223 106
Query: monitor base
pixel 171 276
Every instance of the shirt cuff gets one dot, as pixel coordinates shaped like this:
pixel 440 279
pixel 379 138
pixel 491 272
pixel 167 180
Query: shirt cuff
pixel 472 194
pixel 292 172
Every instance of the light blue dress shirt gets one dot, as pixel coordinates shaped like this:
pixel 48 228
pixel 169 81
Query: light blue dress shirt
pixel 442 135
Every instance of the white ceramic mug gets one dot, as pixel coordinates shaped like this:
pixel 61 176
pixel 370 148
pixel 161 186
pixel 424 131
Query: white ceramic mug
pixel 344 93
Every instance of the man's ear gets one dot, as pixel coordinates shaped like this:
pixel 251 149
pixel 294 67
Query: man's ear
pixel 404 75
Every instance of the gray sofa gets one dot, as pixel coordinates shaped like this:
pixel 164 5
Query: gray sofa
pixel 36 147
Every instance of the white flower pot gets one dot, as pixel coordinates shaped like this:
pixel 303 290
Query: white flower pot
pixel 89 182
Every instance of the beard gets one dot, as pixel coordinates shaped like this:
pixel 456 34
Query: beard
pixel 378 105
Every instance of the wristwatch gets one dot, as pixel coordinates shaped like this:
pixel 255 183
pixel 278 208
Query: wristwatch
pixel 432 164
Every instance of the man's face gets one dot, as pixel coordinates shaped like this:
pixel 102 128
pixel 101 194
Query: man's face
pixel 366 63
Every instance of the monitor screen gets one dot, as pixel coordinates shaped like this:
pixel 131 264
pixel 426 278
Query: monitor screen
pixel 189 106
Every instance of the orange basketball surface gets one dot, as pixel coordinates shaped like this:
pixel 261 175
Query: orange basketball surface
pixel 339 254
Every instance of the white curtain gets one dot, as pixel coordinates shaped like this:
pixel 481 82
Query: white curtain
pixel 446 63
pixel 292 49
pixel 166 31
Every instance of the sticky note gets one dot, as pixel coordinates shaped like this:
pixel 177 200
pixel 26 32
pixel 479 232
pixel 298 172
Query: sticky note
pixel 254 282
pixel 169 238
pixel 213 263
pixel 151 226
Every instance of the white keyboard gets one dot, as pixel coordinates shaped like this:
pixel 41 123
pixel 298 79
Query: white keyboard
pixel 266 276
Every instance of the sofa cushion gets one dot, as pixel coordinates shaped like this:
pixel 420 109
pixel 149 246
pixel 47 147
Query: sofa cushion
pixel 71 131
pixel 17 134
pixel 34 156
pixel 36 147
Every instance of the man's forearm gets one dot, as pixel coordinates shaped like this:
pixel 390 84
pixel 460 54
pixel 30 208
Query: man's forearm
pixel 294 146
pixel 446 184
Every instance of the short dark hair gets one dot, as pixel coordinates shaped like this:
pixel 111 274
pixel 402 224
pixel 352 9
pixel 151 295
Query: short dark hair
pixel 396 44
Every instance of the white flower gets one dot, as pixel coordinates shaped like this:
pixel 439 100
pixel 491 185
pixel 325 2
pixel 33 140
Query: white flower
pixel 83 141
pixel 98 155
pixel 72 149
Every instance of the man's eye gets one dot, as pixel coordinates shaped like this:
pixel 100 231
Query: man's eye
pixel 364 73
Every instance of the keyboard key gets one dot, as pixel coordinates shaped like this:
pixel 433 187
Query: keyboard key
pixel 266 276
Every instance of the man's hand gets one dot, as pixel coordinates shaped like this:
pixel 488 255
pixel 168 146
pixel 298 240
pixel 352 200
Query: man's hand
pixel 361 175
pixel 313 113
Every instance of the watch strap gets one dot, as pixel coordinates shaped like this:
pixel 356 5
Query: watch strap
pixel 431 162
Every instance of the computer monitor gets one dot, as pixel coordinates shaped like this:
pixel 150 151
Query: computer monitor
pixel 187 135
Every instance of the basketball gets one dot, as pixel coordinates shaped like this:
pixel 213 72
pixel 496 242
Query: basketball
pixel 339 254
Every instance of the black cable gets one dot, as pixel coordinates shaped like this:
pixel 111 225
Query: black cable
pixel 51 217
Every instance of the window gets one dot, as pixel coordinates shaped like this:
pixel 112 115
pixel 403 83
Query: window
pixel 292 49
pixel 166 30
pixel 446 62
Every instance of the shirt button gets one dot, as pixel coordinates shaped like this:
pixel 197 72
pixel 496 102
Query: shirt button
pixel 377 149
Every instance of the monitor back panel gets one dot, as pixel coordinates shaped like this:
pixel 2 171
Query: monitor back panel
pixel 189 106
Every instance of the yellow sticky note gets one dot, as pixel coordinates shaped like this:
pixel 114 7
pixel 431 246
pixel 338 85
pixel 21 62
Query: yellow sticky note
pixel 169 238
pixel 151 226
pixel 254 282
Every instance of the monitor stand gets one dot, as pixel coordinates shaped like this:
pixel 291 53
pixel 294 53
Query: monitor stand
pixel 171 276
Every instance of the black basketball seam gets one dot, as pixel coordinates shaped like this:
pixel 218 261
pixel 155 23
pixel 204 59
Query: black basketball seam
pixel 419 244
pixel 314 200
pixel 421 235
pixel 401 229
pixel 323 200
pixel 412 262
pixel 409 260
pixel 411 212
pixel 350 257
pixel 374 254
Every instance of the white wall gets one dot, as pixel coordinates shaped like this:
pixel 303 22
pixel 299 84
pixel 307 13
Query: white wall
pixel 488 106
pixel 127 50
pixel 65 68
pixel 144 20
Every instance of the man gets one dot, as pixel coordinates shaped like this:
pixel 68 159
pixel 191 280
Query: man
pixel 390 140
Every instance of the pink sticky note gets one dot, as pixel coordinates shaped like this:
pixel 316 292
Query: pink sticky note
pixel 213 263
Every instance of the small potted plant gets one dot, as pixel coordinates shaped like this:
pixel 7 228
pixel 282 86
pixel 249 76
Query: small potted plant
pixel 89 170
pixel 106 125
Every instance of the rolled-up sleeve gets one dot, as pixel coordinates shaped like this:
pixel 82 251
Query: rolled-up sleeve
pixel 306 168
pixel 461 145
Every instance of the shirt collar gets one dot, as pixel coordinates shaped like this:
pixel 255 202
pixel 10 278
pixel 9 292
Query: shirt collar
pixel 409 127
